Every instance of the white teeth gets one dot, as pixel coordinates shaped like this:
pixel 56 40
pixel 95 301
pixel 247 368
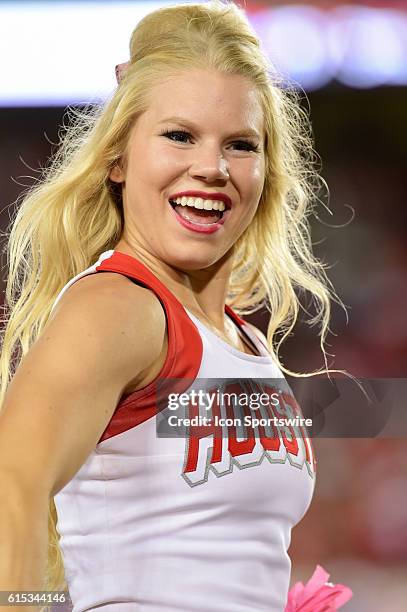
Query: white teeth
pixel 201 203
pixel 198 202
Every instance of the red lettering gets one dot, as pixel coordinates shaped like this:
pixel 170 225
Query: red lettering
pixel 291 445
pixel 309 448
pixel 273 442
pixel 238 447
pixel 196 433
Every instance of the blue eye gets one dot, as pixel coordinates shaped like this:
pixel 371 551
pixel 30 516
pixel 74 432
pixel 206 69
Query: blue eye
pixel 247 146
pixel 170 133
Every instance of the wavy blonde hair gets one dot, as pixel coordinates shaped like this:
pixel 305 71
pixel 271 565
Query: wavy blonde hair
pixel 74 212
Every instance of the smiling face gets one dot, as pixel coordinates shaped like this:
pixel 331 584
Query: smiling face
pixel 215 147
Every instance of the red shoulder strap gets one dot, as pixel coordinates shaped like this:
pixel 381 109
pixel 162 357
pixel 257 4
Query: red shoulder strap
pixel 246 329
pixel 237 319
pixel 184 346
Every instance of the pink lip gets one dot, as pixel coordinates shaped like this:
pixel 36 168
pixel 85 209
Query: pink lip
pixel 206 196
pixel 201 229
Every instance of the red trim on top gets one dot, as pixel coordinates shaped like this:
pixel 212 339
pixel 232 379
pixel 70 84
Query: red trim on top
pixel 237 319
pixel 242 323
pixel 184 353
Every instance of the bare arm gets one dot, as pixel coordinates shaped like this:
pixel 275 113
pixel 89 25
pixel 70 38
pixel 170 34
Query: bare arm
pixel 103 333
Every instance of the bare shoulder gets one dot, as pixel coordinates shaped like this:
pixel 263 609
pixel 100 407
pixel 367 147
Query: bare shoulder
pixel 115 290
pixel 110 304
pixel 104 332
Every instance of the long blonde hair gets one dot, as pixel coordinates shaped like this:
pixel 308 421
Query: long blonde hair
pixel 74 212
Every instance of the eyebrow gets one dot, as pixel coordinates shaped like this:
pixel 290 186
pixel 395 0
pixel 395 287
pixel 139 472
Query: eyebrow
pixel 191 125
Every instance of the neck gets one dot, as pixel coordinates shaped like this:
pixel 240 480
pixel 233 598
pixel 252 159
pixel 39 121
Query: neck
pixel 203 292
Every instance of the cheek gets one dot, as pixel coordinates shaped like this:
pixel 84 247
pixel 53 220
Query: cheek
pixel 252 183
pixel 250 213
pixel 259 178
pixel 259 171
pixel 167 159
pixel 152 162
pixel 252 167
pixel 252 178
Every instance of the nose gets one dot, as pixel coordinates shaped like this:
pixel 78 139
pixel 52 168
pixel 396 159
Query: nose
pixel 209 165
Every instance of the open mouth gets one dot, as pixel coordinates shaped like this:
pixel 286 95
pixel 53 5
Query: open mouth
pixel 197 215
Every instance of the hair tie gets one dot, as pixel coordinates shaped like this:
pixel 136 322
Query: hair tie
pixel 120 71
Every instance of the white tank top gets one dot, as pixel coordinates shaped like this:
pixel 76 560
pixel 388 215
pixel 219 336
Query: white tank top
pixel 193 524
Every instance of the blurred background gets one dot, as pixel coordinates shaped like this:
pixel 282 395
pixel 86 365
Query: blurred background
pixel 351 60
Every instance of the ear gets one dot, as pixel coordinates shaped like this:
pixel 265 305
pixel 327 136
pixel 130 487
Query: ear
pixel 116 174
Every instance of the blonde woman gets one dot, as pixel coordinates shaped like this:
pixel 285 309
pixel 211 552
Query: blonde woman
pixel 165 215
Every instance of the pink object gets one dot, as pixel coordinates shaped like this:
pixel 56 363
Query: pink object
pixel 317 595
pixel 120 70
